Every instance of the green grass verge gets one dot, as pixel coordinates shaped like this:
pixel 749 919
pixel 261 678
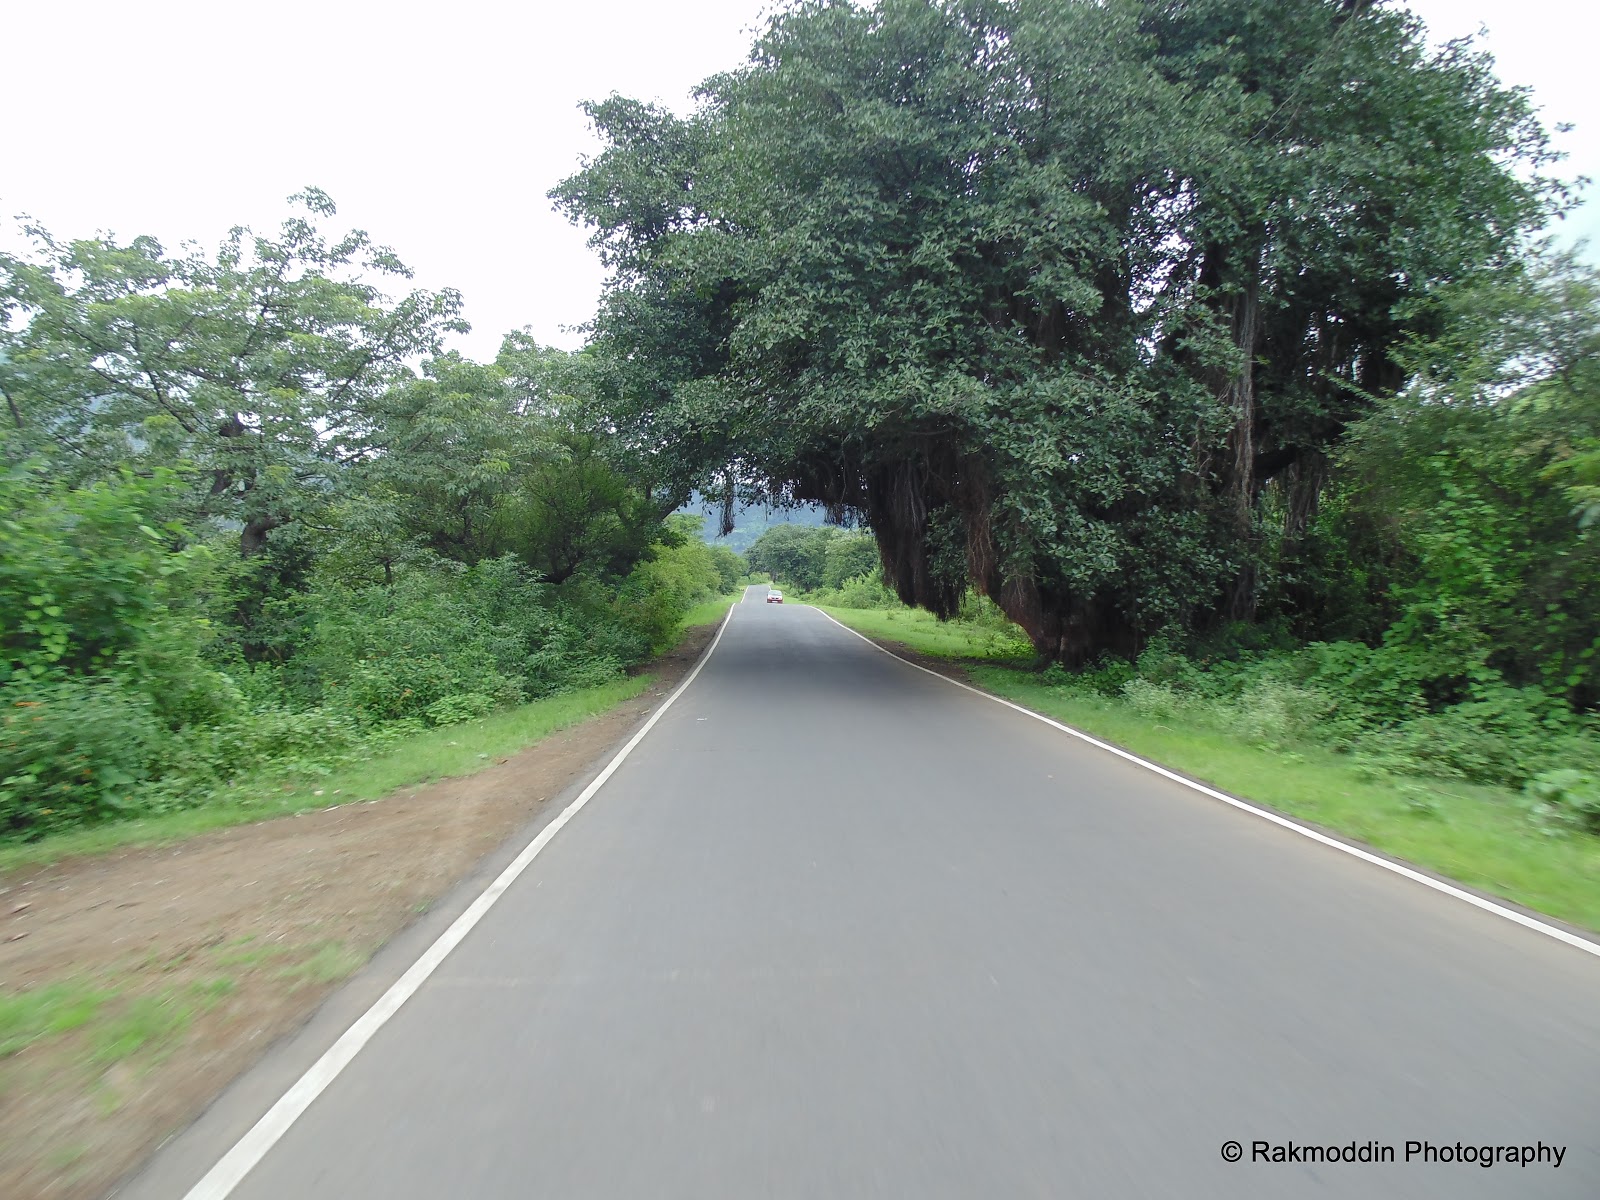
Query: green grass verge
pixel 27 1017
pixel 709 613
pixel 117 1022
pixel 920 631
pixel 117 1026
pixel 328 962
pixel 1476 835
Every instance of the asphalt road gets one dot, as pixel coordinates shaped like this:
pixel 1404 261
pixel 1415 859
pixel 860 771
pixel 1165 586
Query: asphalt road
pixel 838 929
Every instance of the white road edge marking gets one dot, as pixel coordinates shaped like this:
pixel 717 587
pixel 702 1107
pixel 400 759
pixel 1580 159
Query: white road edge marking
pixel 249 1150
pixel 1499 910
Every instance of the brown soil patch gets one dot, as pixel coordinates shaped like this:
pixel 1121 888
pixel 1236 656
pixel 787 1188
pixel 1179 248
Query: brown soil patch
pixel 214 948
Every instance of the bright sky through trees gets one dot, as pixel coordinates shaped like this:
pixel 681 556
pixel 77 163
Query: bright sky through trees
pixel 439 127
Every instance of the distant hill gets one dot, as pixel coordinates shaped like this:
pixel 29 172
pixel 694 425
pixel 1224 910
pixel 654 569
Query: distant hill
pixel 749 522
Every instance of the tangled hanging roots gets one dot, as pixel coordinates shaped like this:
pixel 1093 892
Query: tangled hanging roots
pixel 931 510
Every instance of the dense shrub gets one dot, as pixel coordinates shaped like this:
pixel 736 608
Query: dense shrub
pixel 1566 799
pixel 204 758
pixel 866 590
pixel 814 557
pixel 83 575
pixel 443 633
pixel 681 572
pixel 115 699
pixel 74 751
pixel 1394 708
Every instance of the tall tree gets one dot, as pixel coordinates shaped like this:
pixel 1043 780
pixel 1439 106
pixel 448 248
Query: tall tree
pixel 474 460
pixel 255 368
pixel 1050 292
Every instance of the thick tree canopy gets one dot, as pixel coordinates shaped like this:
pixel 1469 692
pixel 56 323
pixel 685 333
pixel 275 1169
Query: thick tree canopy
pixel 1061 297
pixel 258 367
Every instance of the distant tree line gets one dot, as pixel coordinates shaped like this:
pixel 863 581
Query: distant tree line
pixel 813 556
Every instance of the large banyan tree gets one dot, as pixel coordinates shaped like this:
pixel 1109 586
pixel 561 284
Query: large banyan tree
pixel 1068 300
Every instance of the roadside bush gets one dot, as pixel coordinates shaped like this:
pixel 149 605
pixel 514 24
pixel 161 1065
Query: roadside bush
pixel 658 592
pixel 847 557
pixel 206 757
pixel 1395 709
pixel 1507 736
pixel 102 672
pixel 1565 799
pixel 730 567
pixel 379 690
pixel 1158 701
pixel 160 728
pixel 1106 678
pixel 1162 663
pixel 85 575
pixel 865 590
pixel 467 706
pixel 1275 713
pixel 442 630
pixel 74 752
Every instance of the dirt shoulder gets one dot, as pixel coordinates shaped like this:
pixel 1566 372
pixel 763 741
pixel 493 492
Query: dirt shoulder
pixel 139 983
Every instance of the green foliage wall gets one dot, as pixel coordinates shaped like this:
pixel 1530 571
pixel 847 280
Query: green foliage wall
pixel 813 556
pixel 244 530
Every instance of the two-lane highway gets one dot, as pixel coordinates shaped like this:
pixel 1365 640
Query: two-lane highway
pixel 836 928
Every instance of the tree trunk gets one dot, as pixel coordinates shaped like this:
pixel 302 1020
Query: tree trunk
pixel 1073 631
pixel 253 539
pixel 1238 392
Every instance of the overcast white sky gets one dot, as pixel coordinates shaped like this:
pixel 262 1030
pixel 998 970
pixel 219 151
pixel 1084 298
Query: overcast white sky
pixel 439 127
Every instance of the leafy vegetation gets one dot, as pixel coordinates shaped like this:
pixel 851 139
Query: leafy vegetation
pixel 1210 346
pixel 246 538
pixel 380 766
pixel 810 557
pixel 979 633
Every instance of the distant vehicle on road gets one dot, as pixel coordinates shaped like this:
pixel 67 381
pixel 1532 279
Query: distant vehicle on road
pixel 774 597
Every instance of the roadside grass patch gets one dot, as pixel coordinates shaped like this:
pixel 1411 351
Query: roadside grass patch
pixel 247 953
pixel 36 1013
pixel 926 634
pixel 328 962
pixel 142 1022
pixel 64 1158
pixel 710 612
pixel 115 1026
pixel 1475 834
